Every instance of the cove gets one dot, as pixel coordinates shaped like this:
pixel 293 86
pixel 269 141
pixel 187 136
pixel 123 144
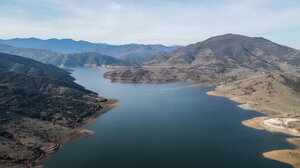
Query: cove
pixel 159 126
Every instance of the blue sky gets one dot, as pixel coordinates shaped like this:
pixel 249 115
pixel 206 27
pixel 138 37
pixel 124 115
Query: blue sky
pixel 167 22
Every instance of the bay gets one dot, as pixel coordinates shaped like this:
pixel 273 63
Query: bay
pixel 160 126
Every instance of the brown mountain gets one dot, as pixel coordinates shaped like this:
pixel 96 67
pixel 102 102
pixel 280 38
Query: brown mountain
pixel 226 57
pixel 230 51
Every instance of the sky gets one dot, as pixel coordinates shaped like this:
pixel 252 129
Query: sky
pixel 168 22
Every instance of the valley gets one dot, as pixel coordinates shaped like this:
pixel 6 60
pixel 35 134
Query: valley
pixel 149 84
pixel 49 109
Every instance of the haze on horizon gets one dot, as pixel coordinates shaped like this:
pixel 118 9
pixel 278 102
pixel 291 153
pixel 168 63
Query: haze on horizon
pixel 168 22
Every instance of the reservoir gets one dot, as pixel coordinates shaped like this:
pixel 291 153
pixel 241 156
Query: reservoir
pixel 161 126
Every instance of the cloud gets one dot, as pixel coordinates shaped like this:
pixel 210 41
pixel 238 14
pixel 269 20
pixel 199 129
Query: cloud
pixel 144 21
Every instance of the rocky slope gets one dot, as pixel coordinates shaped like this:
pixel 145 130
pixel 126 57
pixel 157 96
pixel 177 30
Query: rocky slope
pixel 274 93
pixel 40 108
pixel 221 58
pixel 128 52
pixel 230 51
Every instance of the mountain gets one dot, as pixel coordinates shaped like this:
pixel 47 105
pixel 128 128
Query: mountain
pixel 87 59
pixel 40 108
pixel 230 51
pixel 128 52
pixel 62 60
pixel 44 56
pixel 221 58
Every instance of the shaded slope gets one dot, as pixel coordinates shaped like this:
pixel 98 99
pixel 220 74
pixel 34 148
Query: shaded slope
pixel 31 67
pixel 40 108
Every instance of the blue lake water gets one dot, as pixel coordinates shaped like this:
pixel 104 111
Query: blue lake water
pixel 159 126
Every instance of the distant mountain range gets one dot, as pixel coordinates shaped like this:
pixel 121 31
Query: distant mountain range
pixel 128 52
pixel 61 60
pixel 40 108
pixel 87 59
pixel 220 58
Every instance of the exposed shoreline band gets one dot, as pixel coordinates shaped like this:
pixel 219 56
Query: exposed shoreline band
pixel 289 156
pixel 79 134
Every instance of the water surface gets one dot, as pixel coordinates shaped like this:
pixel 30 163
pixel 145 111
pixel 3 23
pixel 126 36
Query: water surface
pixel 159 126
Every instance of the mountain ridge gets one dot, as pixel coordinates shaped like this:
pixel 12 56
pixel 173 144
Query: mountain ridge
pixel 61 60
pixel 232 45
pixel 127 52
pixel 219 58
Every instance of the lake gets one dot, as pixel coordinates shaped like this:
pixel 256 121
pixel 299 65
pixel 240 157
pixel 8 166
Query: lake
pixel 160 126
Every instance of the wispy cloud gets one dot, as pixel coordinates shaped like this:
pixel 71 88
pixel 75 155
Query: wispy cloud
pixel 150 21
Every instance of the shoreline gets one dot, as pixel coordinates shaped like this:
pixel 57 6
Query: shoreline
pixel 289 156
pixel 79 133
